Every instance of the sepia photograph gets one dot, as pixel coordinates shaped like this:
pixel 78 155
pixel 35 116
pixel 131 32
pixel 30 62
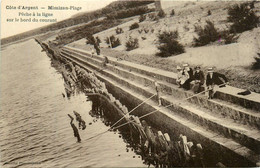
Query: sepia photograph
pixel 130 83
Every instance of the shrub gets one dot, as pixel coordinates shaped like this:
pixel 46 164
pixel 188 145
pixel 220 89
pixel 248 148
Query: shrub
pixel 206 35
pixel 161 14
pixel 229 37
pixel 131 44
pixel 186 28
pixel 172 12
pixel 256 64
pixel 165 36
pixel 114 41
pixel 146 30
pixel 242 17
pixel 142 18
pixel 119 30
pixel 140 31
pixel 169 44
pixel 134 26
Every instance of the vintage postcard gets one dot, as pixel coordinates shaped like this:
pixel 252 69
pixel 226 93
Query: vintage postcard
pixel 130 83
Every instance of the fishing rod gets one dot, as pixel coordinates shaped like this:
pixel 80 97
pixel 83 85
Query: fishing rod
pixel 154 111
pixel 133 110
pixel 120 118
pixel 168 106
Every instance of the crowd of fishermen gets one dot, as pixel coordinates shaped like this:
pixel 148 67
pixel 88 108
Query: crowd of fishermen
pixel 159 149
pixel 155 147
pixel 197 82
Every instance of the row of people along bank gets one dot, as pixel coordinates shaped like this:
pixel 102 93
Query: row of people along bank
pixel 197 82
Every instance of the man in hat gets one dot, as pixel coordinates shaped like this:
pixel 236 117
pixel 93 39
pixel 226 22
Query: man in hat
pixel 214 78
pixel 75 129
pixel 189 70
pixel 198 81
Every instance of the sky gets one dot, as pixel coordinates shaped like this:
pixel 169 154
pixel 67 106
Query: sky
pixel 17 15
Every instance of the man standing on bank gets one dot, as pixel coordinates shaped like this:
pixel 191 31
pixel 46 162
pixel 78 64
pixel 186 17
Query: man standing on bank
pixel 214 78
pixel 75 130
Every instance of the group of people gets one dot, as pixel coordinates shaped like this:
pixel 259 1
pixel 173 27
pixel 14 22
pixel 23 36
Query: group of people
pixel 196 81
pixel 158 149
pixel 155 147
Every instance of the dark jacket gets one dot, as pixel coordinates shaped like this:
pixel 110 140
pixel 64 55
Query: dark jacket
pixel 186 84
pixel 199 76
pixel 216 79
pixel 191 74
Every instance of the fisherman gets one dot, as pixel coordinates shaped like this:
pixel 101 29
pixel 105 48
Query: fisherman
pixel 80 120
pixel 158 93
pixel 75 130
pixel 188 70
pixel 142 135
pixel 150 136
pixel 200 155
pixel 171 151
pixel 213 79
pixel 161 149
pixel 198 81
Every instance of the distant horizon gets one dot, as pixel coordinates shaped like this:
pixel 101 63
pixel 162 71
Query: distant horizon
pixel 9 29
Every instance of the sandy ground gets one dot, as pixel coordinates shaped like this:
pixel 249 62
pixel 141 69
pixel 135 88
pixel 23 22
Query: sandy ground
pixel 233 59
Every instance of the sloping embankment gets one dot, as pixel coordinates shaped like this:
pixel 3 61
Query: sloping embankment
pixel 228 126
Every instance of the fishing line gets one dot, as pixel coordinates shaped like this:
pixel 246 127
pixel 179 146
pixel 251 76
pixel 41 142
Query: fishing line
pixel 166 106
pixel 133 110
pixel 120 118
pixel 153 112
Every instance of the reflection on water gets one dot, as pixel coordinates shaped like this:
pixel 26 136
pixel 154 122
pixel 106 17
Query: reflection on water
pixel 35 129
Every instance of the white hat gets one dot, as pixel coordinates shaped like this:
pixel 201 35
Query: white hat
pixel 199 146
pixel 185 65
pixel 178 67
pixel 167 137
pixel 190 144
pixel 210 69
pixel 160 133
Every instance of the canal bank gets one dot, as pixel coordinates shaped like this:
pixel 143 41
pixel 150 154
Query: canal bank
pixel 226 127
pixel 35 129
